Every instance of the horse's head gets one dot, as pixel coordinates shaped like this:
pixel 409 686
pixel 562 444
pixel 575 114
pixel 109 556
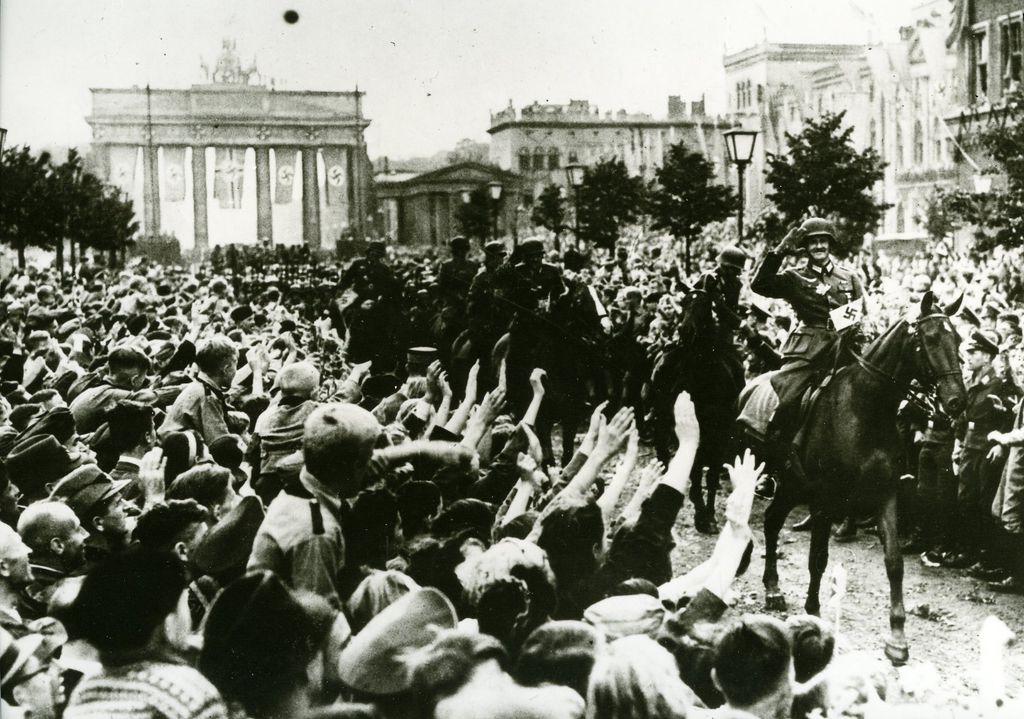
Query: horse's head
pixel 938 352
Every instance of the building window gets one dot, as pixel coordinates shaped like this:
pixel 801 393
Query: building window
pixel 873 133
pixel 538 159
pixel 901 225
pixel 918 143
pixel 1011 53
pixel 937 141
pixel 979 66
pixel 524 160
pixel 573 157
pixel 554 161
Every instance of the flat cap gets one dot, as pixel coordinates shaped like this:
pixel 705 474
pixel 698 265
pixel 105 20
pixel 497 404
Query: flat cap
pixel 85 488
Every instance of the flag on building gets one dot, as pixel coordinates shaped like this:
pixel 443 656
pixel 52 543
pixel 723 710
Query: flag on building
pixel 174 174
pixel 227 177
pixel 122 166
pixel 285 161
pixel 336 166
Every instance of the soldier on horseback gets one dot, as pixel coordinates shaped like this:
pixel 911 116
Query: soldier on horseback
pixel 814 291
pixel 487 316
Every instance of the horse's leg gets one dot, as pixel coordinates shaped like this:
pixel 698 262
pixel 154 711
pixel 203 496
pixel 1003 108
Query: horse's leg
pixel 896 645
pixel 774 518
pixel 817 559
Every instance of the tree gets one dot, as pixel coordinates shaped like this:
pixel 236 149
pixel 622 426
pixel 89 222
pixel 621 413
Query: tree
pixel 997 214
pixel 608 199
pixel 24 217
pixel 549 211
pixel 936 218
pixel 685 197
pixel 42 205
pixel 475 216
pixel 824 174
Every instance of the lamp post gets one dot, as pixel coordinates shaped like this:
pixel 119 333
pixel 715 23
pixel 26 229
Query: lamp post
pixel 494 188
pixel 740 146
pixel 575 174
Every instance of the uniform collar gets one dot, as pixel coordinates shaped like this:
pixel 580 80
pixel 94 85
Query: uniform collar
pixel 824 270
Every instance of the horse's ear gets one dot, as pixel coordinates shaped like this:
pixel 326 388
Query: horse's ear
pixel 953 307
pixel 926 303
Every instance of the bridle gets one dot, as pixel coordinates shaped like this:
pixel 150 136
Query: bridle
pixel 924 361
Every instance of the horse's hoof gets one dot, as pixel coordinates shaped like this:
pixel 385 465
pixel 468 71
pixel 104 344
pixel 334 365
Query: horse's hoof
pixel 897 652
pixel 775 602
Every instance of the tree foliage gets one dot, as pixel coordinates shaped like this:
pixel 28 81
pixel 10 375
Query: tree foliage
pixel 685 198
pixel 43 204
pixel 825 175
pixel 549 209
pixel 609 199
pixel 997 215
pixel 474 217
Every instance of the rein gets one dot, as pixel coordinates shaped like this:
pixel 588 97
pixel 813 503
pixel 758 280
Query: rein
pixel 906 388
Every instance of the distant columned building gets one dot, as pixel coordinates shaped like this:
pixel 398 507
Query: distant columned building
pixel 538 141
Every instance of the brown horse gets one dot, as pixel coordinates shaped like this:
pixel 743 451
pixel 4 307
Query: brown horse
pixel 847 458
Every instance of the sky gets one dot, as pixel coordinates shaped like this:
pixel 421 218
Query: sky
pixel 432 70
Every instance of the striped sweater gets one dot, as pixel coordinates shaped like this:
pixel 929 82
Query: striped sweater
pixel 146 690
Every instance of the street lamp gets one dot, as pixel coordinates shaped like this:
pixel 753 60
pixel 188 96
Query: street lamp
pixel 740 145
pixel 494 187
pixel 575 174
pixel 466 196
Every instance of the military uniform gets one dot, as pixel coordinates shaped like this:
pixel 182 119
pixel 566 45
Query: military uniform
pixel 201 407
pixel 936 482
pixel 529 294
pixel 488 320
pixel 990 400
pixel 813 292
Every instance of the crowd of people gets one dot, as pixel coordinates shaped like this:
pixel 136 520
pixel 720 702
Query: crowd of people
pixel 222 495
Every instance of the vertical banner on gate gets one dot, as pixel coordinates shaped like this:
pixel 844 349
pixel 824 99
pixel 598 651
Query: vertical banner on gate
pixel 284 158
pixel 174 174
pixel 336 167
pixel 227 177
pixel 122 166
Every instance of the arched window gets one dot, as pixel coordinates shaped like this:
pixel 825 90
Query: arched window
pixel 918 143
pixel 524 160
pixel 554 159
pixel 538 158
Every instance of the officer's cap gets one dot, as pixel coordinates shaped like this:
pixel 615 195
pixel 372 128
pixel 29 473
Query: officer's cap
pixel 984 342
pixel 459 243
pixel 376 247
pixel 495 247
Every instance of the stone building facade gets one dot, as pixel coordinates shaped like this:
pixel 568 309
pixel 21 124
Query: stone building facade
pixel 538 141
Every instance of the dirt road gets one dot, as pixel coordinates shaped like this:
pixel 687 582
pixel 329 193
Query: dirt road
pixel 945 607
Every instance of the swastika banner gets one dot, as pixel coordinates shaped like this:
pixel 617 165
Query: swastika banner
pixel 284 179
pixel 227 177
pixel 847 315
pixel 174 174
pixel 122 166
pixel 336 170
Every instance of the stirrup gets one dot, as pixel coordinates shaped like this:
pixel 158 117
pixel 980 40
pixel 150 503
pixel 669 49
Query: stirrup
pixel 765 489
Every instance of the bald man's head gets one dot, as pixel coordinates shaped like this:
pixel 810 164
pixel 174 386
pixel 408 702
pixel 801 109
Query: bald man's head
pixel 299 380
pixel 51 530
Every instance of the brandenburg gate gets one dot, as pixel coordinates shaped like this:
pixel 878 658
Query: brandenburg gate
pixel 310 139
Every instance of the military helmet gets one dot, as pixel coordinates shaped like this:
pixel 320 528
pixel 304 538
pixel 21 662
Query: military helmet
pixel 818 226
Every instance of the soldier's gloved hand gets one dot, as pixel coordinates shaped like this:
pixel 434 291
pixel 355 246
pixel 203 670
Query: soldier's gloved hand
pixel 791 240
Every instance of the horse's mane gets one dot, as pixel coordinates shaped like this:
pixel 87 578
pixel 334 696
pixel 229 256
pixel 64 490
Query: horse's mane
pixel 694 318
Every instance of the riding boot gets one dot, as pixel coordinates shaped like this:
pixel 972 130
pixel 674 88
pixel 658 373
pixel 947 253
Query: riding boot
pixel 1014 584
